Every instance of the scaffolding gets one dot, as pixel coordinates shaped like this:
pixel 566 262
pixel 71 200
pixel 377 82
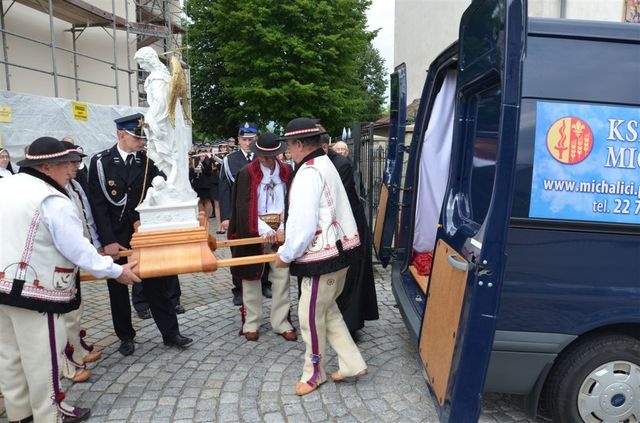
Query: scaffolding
pixel 156 23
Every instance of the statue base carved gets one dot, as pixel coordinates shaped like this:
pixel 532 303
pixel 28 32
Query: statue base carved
pixel 168 217
pixel 170 252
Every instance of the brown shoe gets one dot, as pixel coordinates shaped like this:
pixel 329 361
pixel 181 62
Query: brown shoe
pixel 81 376
pixel 339 377
pixel 92 357
pixel 290 335
pixel 251 336
pixel 303 388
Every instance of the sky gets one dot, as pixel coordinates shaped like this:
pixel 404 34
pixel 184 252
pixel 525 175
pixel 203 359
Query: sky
pixel 381 15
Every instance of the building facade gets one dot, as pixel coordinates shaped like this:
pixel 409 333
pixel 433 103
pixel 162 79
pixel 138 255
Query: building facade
pixel 83 50
pixel 423 28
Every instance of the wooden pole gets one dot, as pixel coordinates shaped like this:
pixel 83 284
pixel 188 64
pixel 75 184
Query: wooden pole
pixel 237 261
pixel 219 244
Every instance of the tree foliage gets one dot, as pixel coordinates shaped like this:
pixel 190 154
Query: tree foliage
pixel 273 60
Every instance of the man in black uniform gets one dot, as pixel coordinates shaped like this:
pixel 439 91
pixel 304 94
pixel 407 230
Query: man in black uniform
pixel 231 165
pixel 118 179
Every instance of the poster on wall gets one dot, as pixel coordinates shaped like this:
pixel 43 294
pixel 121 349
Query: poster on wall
pixel 631 12
pixel 586 163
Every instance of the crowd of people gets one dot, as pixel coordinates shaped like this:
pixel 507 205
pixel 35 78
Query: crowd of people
pixel 293 191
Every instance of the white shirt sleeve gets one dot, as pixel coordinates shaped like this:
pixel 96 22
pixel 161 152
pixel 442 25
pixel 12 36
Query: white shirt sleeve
pixel 304 209
pixel 61 218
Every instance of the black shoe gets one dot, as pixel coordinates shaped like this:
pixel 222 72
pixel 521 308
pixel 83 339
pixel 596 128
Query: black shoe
pixel 25 420
pixel 266 291
pixel 82 414
pixel 237 298
pixel 177 341
pixel 127 347
pixel 180 309
pixel 146 314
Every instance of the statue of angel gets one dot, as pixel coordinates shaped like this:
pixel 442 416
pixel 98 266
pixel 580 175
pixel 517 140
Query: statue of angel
pixel 167 144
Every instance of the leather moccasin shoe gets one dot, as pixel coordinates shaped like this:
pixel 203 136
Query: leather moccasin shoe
pixel 290 335
pixel 303 388
pixel 146 314
pixel 82 375
pixel 127 347
pixel 81 414
pixel 252 336
pixel 266 291
pixel 92 357
pixel 339 377
pixel 178 341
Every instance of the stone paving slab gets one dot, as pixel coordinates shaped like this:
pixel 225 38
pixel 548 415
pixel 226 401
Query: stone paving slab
pixel 224 378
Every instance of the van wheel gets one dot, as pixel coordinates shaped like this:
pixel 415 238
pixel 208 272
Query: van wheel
pixel 597 380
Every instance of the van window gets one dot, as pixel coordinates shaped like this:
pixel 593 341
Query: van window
pixel 484 111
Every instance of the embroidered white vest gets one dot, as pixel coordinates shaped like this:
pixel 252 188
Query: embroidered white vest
pixel 27 252
pixel 335 220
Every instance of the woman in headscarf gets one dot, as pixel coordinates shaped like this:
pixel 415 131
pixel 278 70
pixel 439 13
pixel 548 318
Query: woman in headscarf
pixel 5 163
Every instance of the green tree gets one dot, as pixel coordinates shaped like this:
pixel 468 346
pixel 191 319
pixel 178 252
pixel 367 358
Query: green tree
pixel 273 60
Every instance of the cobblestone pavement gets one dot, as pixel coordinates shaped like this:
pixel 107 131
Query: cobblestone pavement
pixel 224 378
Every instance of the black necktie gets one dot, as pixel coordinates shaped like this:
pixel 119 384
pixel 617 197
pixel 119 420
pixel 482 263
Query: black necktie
pixel 129 160
pixel 249 157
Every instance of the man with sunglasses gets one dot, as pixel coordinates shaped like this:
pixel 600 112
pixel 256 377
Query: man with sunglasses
pixel 118 180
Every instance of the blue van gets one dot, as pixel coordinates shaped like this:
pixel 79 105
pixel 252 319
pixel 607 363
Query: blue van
pixel 522 183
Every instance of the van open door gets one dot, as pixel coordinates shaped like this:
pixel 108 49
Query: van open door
pixel 388 207
pixel 464 290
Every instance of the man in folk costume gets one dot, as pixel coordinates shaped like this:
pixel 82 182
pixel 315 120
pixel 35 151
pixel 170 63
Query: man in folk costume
pixel 231 165
pixel 258 210
pixel 78 353
pixel 322 242
pixel 39 260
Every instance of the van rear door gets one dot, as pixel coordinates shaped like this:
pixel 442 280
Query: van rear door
pixel 463 295
pixel 388 207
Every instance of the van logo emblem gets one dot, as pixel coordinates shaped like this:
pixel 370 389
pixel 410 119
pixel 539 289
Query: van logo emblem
pixel 569 140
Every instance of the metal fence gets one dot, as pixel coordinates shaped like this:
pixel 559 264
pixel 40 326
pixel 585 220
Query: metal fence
pixel 369 161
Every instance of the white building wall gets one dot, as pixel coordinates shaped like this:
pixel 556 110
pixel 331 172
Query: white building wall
pixel 96 42
pixel 423 28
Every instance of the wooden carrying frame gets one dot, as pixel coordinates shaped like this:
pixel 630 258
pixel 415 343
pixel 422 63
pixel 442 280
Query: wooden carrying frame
pixel 189 250
pixel 442 318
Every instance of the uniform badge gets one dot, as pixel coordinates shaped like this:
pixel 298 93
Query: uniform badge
pixel 114 192
pixel 111 183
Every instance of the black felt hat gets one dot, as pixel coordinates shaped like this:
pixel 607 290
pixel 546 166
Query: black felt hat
pixel 300 128
pixel 268 145
pixel 47 150
pixel 73 148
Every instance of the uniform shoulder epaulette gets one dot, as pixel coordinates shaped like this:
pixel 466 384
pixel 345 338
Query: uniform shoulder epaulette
pixel 104 153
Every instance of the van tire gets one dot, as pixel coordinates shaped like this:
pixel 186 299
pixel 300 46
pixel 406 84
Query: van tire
pixel 578 362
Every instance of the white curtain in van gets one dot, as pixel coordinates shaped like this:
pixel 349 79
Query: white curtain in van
pixel 434 166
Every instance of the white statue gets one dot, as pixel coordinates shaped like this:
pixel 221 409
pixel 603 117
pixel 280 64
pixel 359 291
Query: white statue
pixel 159 193
pixel 167 146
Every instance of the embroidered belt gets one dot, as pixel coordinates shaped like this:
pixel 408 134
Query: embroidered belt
pixel 38 293
pixel 271 219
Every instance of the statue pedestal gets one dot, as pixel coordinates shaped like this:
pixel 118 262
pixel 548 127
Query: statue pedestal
pixel 170 252
pixel 168 217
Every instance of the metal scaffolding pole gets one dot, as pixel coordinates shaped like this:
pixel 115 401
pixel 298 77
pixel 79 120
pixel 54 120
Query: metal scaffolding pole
pixel 75 62
pixel 115 51
pixel 4 47
pixel 126 11
pixel 53 49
